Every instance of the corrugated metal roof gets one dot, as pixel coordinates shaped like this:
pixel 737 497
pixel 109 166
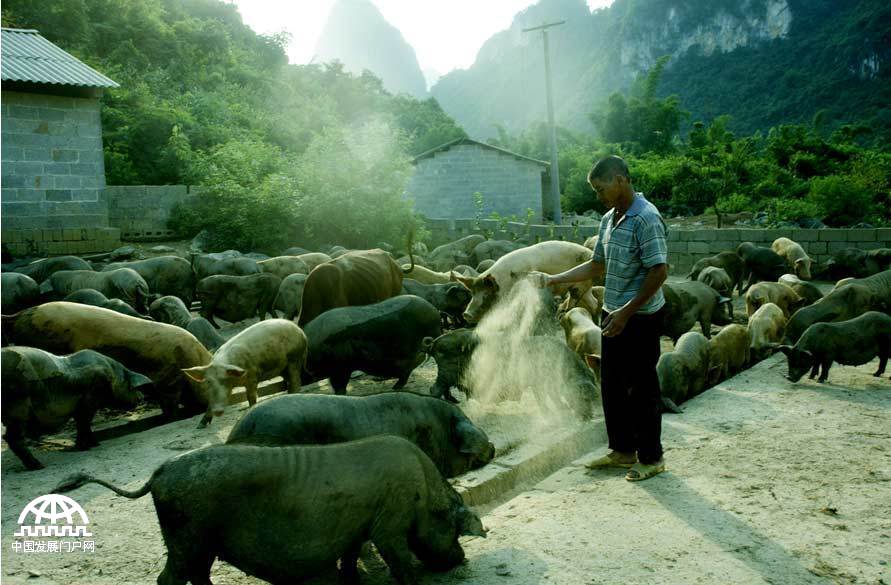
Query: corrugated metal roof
pixel 27 56
pixel 457 141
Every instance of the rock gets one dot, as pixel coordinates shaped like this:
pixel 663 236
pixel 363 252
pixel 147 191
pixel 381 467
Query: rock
pixel 697 223
pixel 256 256
pixel 811 223
pixel 161 250
pixel 201 242
pixel 786 224
pixel 863 225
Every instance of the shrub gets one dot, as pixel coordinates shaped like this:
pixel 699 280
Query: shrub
pixel 844 199
pixel 735 203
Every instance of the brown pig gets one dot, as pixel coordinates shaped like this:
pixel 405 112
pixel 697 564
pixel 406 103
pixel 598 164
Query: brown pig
pixel 729 351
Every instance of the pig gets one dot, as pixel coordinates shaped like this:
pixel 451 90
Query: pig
pixel 492 250
pixel 582 335
pixel 458 252
pixel 766 328
pixel 452 352
pixel 484 265
pixel 42 391
pixel 264 350
pixel 40 270
pixel 851 343
pixel 878 284
pixel 760 264
pixel 794 255
pixel 773 292
pixel 298 251
pixel 845 302
pixel 729 262
pixel 156 350
pixel 683 373
pixel 450 299
pixel 465 270
pixel 235 298
pixel 313 259
pixel 211 265
pixel 591 242
pixel 847 262
pixel 89 296
pixel 573 299
pixel 878 260
pixel 728 353
pixel 323 502
pixel 355 278
pixel 441 430
pixel 550 257
pixel 426 276
pixel 122 283
pixel 687 303
pixel 290 296
pixel 806 290
pixel 718 279
pixel 284 266
pixel 170 309
pixel 18 291
pixel 165 275
pixel 383 339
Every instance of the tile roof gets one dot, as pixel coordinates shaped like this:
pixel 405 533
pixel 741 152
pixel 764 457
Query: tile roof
pixel 27 56
pixel 457 141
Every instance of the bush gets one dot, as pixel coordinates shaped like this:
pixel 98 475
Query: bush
pixel 735 203
pixel 843 199
pixel 794 209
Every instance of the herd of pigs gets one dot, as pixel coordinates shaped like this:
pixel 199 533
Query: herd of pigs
pixel 79 336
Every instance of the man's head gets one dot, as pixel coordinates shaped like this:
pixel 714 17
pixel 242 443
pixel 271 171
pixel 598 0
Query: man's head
pixel 611 181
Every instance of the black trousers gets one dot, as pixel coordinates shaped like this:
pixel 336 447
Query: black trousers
pixel 630 387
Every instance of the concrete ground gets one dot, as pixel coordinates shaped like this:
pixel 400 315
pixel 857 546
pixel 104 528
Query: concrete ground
pixel 767 482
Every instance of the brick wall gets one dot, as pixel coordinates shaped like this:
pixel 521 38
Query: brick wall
pixel 685 247
pixel 443 185
pixel 53 169
pixel 141 212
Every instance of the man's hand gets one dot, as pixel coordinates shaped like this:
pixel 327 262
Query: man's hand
pixel 615 322
pixel 540 279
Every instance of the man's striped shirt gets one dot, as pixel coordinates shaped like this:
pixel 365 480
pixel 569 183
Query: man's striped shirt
pixel 629 250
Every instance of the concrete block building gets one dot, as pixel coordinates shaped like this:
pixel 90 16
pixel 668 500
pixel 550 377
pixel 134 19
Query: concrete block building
pixel 447 177
pixel 53 171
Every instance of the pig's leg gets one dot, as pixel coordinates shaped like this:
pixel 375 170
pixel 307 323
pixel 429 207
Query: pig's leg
pixel 814 370
pixel 394 551
pixel 883 359
pixel 825 373
pixel 292 375
pixel 207 313
pixel 15 438
pixel 250 389
pixel 349 572
pixel 85 438
pixel 705 322
pixel 339 382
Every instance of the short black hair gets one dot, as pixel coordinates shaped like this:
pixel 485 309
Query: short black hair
pixel 608 167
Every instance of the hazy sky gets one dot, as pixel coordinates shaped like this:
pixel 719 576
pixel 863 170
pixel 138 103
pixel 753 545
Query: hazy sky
pixel 445 34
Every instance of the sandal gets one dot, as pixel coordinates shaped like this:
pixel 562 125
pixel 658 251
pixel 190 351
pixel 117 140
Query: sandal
pixel 641 471
pixel 613 459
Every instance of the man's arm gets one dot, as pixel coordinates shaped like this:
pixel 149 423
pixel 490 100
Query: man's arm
pixel 591 270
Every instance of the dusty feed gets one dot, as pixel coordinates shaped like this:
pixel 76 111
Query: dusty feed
pixel 514 391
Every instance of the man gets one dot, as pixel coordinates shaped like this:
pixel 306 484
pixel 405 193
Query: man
pixel 632 254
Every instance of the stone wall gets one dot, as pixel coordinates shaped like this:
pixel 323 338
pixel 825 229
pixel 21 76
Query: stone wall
pixel 53 169
pixel 685 247
pixel 141 211
pixel 443 185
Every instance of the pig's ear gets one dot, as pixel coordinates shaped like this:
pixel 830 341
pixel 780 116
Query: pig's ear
pixel 137 380
pixel 468 282
pixel 234 371
pixel 490 281
pixel 807 354
pixel 470 524
pixel 785 349
pixel 593 360
pixel 427 344
pixel 470 439
pixel 198 373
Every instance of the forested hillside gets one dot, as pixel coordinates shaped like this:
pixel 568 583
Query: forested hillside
pixel 286 153
pixel 764 62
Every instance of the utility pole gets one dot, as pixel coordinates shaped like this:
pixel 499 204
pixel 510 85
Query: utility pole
pixel 555 167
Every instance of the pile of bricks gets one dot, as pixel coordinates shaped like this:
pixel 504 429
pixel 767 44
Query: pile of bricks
pixel 61 241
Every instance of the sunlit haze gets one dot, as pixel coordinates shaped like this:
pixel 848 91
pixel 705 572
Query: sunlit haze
pixel 445 34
